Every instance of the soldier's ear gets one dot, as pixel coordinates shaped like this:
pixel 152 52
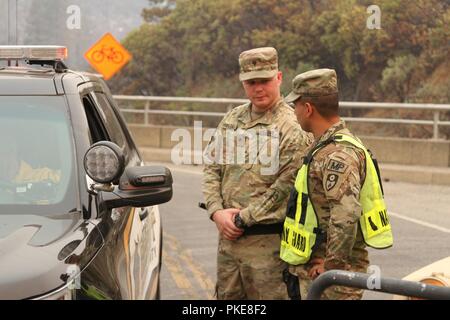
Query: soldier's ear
pixel 309 109
pixel 279 77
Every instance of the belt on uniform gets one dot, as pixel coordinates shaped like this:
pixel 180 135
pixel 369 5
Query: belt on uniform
pixel 257 229
pixel 275 228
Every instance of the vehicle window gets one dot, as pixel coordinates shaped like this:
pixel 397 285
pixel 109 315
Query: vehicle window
pixel 111 122
pixel 37 158
pixel 96 128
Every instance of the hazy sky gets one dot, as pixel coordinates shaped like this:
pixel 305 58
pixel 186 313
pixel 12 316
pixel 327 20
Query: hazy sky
pixel 47 24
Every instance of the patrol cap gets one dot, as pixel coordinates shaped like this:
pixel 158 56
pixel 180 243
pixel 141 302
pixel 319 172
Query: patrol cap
pixel 258 63
pixel 313 83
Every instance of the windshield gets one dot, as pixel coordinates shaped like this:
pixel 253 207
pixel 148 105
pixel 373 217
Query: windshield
pixel 36 156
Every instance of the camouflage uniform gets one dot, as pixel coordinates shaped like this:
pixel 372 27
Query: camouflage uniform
pixel 336 175
pixel 250 267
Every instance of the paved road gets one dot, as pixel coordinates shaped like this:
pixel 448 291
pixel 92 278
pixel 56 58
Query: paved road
pixel 420 217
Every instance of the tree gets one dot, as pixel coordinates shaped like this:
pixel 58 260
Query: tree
pixel 191 47
pixel 397 77
pixel 158 10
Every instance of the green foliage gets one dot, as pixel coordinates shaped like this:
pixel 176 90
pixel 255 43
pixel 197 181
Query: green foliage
pixel 191 47
pixel 436 87
pixel 158 9
pixel 397 75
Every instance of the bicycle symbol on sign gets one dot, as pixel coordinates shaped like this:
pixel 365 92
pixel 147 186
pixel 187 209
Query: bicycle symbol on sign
pixel 108 53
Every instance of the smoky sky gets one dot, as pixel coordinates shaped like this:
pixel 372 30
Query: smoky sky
pixel 45 22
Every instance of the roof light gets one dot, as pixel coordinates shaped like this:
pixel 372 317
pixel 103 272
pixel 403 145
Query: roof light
pixel 42 53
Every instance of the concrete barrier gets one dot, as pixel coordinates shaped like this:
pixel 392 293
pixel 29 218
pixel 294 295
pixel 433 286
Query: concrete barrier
pixel 159 137
pixel 412 152
pixel 146 136
pixel 405 160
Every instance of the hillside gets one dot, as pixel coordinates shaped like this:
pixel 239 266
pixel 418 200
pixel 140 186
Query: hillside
pixel 192 48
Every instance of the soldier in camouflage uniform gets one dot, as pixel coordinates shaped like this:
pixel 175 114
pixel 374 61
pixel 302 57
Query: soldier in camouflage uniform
pixel 246 202
pixel 336 175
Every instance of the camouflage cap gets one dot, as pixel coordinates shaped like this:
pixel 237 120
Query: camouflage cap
pixel 258 63
pixel 314 83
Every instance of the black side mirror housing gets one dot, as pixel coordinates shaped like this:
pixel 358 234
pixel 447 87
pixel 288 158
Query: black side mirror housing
pixel 140 187
pixel 145 177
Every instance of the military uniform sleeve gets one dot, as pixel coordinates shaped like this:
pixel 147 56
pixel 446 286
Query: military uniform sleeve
pixel 266 209
pixel 212 175
pixel 342 185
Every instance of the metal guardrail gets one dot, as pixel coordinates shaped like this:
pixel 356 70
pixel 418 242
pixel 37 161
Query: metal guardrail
pixel 435 108
pixel 387 285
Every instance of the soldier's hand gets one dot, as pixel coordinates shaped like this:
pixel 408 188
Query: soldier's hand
pixel 317 269
pixel 224 220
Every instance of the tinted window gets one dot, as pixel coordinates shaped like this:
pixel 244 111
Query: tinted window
pixel 111 122
pixel 97 130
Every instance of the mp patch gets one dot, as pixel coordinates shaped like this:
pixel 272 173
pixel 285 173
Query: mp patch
pixel 336 166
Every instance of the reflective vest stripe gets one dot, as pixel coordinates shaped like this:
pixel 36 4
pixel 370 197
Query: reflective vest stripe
pixel 304 208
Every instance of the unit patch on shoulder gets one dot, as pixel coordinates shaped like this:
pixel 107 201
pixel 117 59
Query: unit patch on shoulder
pixel 337 166
pixel 331 181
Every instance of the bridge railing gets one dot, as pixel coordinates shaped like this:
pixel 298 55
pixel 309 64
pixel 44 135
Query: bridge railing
pixel 435 111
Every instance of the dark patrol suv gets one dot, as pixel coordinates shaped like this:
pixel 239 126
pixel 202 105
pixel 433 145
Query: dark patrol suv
pixel 78 207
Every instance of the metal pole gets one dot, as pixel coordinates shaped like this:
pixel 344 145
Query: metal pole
pixel 387 285
pixel 17 36
pixel 12 27
pixel 7 25
pixel 147 105
pixel 436 125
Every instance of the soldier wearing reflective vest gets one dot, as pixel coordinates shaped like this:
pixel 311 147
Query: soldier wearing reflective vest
pixel 336 207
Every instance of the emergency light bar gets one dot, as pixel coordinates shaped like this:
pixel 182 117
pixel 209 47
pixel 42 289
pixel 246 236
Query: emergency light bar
pixel 33 53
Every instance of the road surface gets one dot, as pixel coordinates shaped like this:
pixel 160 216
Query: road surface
pixel 420 217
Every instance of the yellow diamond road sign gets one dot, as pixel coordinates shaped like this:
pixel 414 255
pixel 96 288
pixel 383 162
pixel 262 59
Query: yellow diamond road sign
pixel 107 56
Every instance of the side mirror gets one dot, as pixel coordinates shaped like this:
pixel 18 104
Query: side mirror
pixel 119 187
pixel 140 187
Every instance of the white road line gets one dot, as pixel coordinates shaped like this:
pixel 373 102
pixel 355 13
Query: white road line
pixel 419 222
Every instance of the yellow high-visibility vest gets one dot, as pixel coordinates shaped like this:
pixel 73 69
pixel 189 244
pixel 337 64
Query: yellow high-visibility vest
pixel 301 232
